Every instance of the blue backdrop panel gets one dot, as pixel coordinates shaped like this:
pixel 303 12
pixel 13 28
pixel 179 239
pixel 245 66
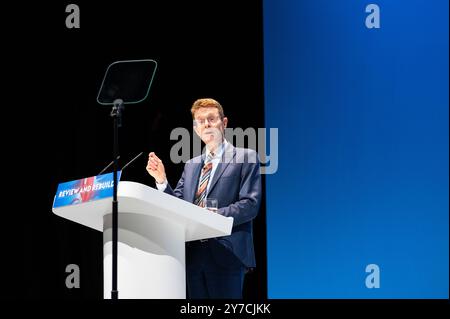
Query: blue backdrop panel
pixel 363 148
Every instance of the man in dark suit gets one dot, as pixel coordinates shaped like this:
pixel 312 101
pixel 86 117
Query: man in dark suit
pixel 215 268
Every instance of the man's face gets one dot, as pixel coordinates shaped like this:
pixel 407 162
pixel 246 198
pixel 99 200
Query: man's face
pixel 209 126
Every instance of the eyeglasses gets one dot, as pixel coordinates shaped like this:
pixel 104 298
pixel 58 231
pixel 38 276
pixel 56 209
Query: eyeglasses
pixel 211 120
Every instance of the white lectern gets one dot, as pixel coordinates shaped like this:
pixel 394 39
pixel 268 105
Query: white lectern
pixel 153 229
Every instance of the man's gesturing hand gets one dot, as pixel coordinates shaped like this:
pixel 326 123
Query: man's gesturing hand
pixel 155 168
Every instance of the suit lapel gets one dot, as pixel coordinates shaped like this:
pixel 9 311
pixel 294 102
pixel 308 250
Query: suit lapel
pixel 194 178
pixel 227 156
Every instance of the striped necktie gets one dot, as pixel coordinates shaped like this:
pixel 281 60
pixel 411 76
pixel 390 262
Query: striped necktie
pixel 200 195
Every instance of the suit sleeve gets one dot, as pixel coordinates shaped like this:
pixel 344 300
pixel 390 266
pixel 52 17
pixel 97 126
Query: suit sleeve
pixel 178 191
pixel 247 206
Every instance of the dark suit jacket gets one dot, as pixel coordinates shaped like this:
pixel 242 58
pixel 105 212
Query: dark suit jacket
pixel 236 185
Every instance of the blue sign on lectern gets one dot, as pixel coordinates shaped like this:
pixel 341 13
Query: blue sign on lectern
pixel 85 190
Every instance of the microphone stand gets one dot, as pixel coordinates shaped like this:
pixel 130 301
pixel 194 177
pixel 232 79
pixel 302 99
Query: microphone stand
pixel 116 114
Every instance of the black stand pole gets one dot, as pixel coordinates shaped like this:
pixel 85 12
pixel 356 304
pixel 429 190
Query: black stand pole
pixel 116 114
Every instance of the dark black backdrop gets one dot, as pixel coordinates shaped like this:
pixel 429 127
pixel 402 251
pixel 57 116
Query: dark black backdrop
pixel 54 130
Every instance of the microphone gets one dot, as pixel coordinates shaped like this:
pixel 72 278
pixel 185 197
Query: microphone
pixel 132 160
pixel 112 162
